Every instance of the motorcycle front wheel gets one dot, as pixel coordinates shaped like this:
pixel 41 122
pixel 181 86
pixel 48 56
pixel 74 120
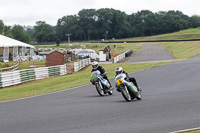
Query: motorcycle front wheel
pixel 99 88
pixel 126 94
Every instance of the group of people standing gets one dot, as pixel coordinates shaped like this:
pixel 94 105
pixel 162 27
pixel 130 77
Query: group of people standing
pixel 107 51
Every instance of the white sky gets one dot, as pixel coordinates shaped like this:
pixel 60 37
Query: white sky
pixel 27 12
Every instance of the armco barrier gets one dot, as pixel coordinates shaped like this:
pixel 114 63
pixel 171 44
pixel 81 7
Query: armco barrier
pixel 119 57
pixel 122 56
pixel 21 76
pixel 81 64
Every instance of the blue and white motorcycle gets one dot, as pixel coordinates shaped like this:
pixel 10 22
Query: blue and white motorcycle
pixel 102 85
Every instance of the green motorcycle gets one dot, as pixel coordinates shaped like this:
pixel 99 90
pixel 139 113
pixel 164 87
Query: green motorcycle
pixel 128 89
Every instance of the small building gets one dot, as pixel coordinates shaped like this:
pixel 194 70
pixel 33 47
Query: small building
pixel 54 58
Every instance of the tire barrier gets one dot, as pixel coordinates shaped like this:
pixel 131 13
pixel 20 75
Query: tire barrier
pixel 21 76
pixel 81 64
pixel 128 53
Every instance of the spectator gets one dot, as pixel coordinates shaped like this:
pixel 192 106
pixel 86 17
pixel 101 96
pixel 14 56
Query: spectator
pixel 10 56
pixel 64 53
pixel 109 55
pixel 36 52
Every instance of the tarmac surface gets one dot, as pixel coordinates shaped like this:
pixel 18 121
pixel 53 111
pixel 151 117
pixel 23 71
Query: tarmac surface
pixel 170 102
pixel 150 52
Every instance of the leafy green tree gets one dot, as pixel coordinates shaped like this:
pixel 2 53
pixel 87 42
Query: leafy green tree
pixel 87 19
pixel 144 23
pixel 7 31
pixel 60 29
pixel 112 23
pixel 44 32
pixel 19 34
pixel 1 27
pixel 172 21
pixel 91 24
pixel 69 25
pixel 121 27
pixel 30 32
pixel 195 21
pixel 104 23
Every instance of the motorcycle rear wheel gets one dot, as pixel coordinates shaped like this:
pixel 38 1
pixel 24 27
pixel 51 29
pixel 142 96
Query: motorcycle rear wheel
pixel 126 94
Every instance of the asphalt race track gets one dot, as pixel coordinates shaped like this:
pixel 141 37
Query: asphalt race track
pixel 171 102
pixel 151 52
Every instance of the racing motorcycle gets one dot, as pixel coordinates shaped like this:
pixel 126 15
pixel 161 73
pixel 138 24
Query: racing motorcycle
pixel 128 89
pixel 102 85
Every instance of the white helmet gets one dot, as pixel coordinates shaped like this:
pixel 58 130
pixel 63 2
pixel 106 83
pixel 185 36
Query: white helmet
pixel 119 70
pixel 95 64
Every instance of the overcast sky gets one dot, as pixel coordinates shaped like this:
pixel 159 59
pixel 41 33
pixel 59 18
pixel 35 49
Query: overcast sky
pixel 27 12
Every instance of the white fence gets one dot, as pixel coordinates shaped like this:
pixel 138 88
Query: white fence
pixel 81 64
pixel 12 68
pixel 119 57
pixel 21 76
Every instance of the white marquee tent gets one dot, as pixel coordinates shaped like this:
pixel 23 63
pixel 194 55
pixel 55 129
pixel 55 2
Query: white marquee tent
pixel 10 49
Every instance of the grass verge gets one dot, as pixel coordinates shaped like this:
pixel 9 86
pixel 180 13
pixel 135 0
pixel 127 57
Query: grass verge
pixel 26 64
pixel 66 81
pixel 183 50
pixel 196 131
pixel 192 33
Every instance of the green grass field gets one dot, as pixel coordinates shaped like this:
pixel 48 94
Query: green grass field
pixel 26 64
pixel 183 50
pixel 193 33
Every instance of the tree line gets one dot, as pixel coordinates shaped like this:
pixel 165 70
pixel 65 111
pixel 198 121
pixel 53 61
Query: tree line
pixel 104 23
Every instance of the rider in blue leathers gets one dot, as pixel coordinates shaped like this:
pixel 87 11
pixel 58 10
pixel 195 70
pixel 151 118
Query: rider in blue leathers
pixel 95 66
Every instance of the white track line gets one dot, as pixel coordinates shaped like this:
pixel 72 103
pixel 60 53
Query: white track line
pixel 186 130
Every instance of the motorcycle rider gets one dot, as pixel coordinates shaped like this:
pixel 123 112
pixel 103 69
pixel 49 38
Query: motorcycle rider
pixel 120 70
pixel 95 66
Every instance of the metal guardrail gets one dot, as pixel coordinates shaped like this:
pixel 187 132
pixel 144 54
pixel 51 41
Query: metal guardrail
pixel 122 56
pixel 119 57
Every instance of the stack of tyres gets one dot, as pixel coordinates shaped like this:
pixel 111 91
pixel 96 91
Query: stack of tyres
pixel 31 74
pixel 54 71
pixel 57 70
pixel 24 75
pixel 0 82
pixel 128 53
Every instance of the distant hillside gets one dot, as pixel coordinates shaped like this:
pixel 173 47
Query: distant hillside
pixel 188 34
